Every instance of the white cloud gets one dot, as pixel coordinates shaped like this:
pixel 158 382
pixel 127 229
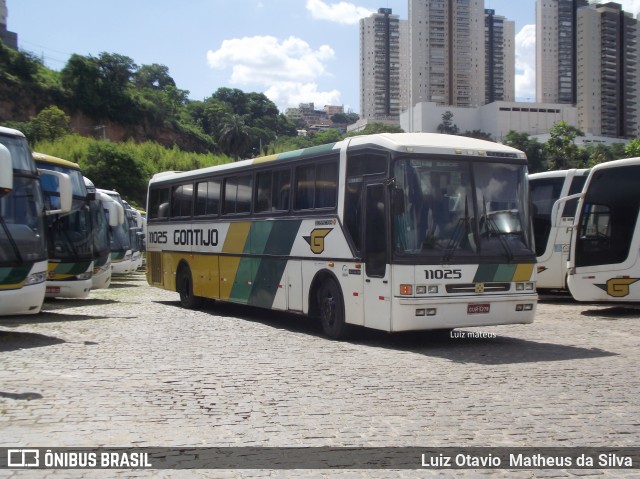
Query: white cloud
pixel 286 70
pixel 526 64
pixel 341 12
pixel 294 93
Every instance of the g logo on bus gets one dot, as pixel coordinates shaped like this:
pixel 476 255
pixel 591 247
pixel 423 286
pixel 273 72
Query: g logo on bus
pixel 479 288
pixel 618 287
pixel 316 239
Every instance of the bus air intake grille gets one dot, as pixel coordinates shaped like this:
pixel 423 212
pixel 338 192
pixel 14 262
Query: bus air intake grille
pixel 470 288
pixel 155 266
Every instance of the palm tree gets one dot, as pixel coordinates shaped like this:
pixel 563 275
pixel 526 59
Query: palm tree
pixel 234 138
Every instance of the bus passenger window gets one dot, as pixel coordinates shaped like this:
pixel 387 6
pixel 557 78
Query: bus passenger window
pixel 263 195
pixel 159 203
pixel 208 198
pixel 305 183
pixel 281 188
pixel 237 195
pixel 326 185
pixel 181 197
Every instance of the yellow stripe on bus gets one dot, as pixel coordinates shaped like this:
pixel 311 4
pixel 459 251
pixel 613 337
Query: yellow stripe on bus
pixel 236 237
pixel 523 272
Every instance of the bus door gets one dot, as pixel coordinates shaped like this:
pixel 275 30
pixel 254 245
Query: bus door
pixel 377 273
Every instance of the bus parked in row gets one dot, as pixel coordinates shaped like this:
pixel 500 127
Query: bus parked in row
pixel 23 247
pixel 134 218
pixel 69 235
pixel 105 214
pixel 121 249
pixel 604 264
pixel 552 238
pixel 396 232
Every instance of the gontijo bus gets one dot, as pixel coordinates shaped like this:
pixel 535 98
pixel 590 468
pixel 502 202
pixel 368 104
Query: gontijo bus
pixel 23 248
pixel 604 263
pixel 553 222
pixel 395 232
pixel 70 235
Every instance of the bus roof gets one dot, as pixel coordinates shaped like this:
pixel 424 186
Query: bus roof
pixel 43 157
pixel 617 163
pixel 436 143
pixel 558 173
pixel 10 131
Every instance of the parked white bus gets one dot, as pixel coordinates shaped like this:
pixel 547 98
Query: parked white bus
pixel 552 238
pixel 604 263
pixel 106 213
pixel 23 247
pixel 69 235
pixel 396 232
pixel 121 250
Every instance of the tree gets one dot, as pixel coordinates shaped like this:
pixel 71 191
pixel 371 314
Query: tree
pixel 447 125
pixel 375 127
pixel 560 149
pixel 153 76
pixel 632 150
pixel 50 124
pixel 531 147
pixel 234 138
pixel 482 135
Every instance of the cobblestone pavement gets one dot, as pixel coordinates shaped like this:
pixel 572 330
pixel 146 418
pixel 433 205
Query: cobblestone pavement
pixel 129 367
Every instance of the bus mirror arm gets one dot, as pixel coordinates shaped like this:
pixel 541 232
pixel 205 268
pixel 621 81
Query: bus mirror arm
pixel 559 206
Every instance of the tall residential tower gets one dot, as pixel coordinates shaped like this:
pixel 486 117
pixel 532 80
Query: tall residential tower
pixel 383 90
pixel 446 45
pixel 500 65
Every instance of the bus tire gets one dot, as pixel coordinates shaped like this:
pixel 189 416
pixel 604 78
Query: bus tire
pixel 331 310
pixel 184 286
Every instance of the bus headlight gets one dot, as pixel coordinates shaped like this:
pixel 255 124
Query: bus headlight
pixel 36 278
pixel 84 276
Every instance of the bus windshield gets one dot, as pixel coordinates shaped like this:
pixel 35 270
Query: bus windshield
pixel 21 223
pixel 454 210
pixel 70 235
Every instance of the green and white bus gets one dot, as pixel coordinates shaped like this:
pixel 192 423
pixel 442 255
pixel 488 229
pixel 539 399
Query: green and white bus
pixel 69 235
pixel 105 214
pixel 121 248
pixel 604 263
pixel 553 222
pixel 396 232
pixel 23 247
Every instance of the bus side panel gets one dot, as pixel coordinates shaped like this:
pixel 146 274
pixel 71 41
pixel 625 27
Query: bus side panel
pixel 294 286
pixel 206 280
pixel 171 262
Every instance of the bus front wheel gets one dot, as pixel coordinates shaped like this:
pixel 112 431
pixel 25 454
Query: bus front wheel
pixel 184 286
pixel 331 309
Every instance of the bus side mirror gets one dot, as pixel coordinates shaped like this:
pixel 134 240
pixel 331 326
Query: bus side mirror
pixel 115 213
pixel 559 206
pixel 397 201
pixel 6 171
pixel 63 188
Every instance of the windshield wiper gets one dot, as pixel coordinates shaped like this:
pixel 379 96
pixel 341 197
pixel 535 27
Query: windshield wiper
pixel 12 242
pixel 493 229
pixel 459 232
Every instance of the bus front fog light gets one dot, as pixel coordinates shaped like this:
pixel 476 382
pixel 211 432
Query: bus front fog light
pixel 519 307
pixel 432 311
pixel 529 286
pixel 528 307
pixel 421 289
pixel 421 312
pixel 519 286
pixel 433 289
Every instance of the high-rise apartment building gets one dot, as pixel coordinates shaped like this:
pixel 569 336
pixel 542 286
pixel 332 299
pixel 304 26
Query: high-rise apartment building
pixel 556 45
pixel 500 65
pixel 383 90
pixel 446 45
pixel 607 70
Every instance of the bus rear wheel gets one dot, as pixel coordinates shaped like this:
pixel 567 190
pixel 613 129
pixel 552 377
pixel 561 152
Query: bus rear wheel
pixel 331 309
pixel 184 286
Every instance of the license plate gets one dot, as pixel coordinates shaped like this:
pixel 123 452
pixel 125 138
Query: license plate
pixel 478 308
pixel 53 289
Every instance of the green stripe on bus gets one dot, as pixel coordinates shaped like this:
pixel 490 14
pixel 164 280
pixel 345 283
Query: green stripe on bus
pixel 14 275
pixel 71 268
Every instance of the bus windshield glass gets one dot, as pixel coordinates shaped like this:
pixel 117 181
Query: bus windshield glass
pixel 20 154
pixel 21 223
pixel 452 210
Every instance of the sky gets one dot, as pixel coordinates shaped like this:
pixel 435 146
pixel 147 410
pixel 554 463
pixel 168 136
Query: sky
pixel 293 51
